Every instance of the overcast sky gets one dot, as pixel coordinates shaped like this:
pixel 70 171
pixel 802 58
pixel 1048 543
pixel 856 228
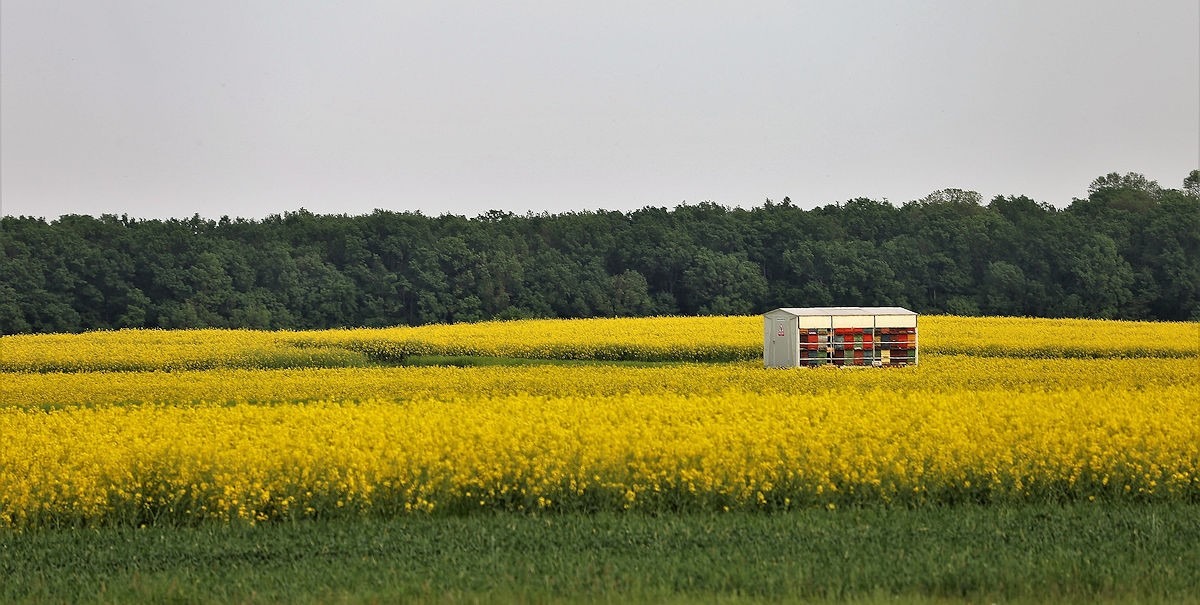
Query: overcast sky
pixel 249 108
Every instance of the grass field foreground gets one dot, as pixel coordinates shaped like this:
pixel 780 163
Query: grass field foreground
pixel 1078 553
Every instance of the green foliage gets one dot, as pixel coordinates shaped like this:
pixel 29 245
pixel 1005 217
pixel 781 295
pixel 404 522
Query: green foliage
pixel 1130 250
pixel 1079 553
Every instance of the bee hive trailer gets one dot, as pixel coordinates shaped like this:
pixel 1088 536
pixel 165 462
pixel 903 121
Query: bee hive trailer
pixel 842 336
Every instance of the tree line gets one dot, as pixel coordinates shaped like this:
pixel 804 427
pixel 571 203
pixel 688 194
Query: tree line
pixel 1129 250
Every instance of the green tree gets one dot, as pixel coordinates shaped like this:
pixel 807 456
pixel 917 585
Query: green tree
pixel 1191 184
pixel 1004 289
pixel 630 295
pixel 722 284
pixel 1100 278
pixel 951 237
pixel 1170 258
pixel 850 273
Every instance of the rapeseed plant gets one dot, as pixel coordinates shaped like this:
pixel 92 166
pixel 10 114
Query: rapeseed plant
pixel 238 444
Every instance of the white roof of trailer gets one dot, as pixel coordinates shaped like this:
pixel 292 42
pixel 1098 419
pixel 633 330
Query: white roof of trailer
pixel 826 311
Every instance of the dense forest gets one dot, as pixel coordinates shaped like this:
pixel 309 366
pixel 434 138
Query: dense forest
pixel 1130 250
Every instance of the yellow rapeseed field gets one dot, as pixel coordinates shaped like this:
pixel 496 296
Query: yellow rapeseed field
pixel 727 338
pixel 1056 338
pixel 936 374
pixel 143 350
pixel 657 452
pixel 143 427
pixel 648 339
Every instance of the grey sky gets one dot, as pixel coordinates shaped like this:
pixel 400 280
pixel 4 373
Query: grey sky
pixel 239 108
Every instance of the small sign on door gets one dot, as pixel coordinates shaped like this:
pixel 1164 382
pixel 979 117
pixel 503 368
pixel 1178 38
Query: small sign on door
pixel 779 329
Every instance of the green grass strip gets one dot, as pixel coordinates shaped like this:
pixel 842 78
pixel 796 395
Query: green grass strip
pixel 1080 553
